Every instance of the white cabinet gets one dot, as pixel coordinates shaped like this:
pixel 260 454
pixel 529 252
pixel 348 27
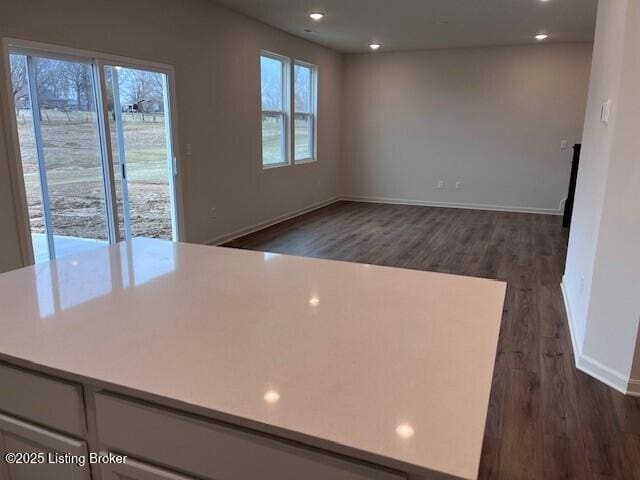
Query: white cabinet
pixel 17 436
pixel 134 470
pixel 39 411
pixel 211 450
pixel 44 400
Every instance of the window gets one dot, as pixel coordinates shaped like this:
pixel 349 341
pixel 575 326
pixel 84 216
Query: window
pixel 304 111
pixel 283 135
pixel 275 98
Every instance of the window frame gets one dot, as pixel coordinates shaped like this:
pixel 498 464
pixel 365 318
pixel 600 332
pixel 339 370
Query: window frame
pixel 285 114
pixel 312 114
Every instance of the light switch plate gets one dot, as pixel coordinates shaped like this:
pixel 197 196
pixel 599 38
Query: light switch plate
pixel 606 112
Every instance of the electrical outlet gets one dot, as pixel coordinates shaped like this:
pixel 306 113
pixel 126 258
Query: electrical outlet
pixel 213 212
pixel 458 185
pixel 564 144
pixel 440 185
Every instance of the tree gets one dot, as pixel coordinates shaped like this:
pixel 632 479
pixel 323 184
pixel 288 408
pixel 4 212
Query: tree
pixel 59 84
pixel 78 76
pixel 141 88
pixel 51 81
pixel 19 84
pixel 271 80
pixel 302 88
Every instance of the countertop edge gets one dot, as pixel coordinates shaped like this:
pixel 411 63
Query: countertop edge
pixel 253 426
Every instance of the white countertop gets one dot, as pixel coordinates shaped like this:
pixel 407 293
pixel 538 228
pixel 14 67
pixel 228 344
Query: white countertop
pixel 393 365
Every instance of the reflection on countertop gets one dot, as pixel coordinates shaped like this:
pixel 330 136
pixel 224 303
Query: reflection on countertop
pixel 74 280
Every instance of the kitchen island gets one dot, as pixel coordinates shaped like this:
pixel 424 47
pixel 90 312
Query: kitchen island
pixel 214 363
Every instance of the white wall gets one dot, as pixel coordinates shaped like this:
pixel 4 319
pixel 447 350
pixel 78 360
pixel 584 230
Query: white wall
pixel 604 247
pixel 215 54
pixel 597 142
pixel 492 118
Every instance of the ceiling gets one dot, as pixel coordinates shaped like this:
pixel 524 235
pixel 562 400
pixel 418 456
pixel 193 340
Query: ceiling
pixel 351 25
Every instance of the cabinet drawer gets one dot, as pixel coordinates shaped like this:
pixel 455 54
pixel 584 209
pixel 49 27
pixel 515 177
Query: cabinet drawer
pixel 42 400
pixel 17 436
pixel 215 451
pixel 134 470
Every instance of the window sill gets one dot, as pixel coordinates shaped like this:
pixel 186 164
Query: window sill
pixel 271 166
pixel 305 160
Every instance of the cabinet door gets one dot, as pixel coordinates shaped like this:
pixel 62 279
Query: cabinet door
pixel 134 470
pixel 216 451
pixel 17 436
pixel 50 402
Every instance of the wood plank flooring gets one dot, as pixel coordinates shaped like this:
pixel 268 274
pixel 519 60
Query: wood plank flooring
pixel 546 419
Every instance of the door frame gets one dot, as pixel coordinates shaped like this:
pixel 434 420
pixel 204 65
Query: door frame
pixel 98 60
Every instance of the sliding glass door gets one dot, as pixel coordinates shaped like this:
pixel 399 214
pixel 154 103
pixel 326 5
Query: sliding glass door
pixel 96 150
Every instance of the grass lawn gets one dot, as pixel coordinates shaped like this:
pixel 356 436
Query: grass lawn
pixel 271 141
pixel 74 174
pixel 74 171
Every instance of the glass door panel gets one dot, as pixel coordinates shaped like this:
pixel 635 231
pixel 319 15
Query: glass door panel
pixel 57 123
pixel 29 155
pixel 140 129
pixel 68 124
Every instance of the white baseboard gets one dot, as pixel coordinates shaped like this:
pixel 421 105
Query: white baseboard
pixel 634 388
pixel 613 378
pixel 219 240
pixel 606 375
pixel 467 206
pixel 577 349
pixel 563 203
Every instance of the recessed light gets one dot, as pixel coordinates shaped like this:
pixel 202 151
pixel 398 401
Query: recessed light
pixel 541 36
pixel 374 46
pixel 404 430
pixel 271 397
pixel 316 16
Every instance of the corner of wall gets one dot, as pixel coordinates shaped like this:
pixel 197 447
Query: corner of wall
pixel 634 388
pixel 624 384
pixel 575 342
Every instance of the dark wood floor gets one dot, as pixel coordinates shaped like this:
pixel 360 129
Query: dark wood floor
pixel 546 419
